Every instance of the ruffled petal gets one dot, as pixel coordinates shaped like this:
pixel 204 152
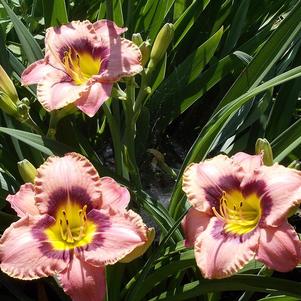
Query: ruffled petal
pixel 35 72
pixel 280 191
pixel 117 234
pixel 219 255
pixel 279 248
pixel 77 35
pixel 83 282
pixel 71 176
pixel 91 100
pixel 205 182
pixel 23 201
pixel 249 163
pixel 56 90
pixel 194 223
pixel 124 60
pixel 106 29
pixel 21 255
pixel 113 194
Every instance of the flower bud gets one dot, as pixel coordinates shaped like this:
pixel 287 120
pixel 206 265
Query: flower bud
pixel 263 146
pixel 137 39
pixel 7 105
pixel 23 111
pixel 139 251
pixel 161 44
pixel 7 86
pixel 145 49
pixel 27 171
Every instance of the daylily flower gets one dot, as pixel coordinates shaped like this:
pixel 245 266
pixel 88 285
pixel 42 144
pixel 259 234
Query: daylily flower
pixel 82 61
pixel 239 213
pixel 72 223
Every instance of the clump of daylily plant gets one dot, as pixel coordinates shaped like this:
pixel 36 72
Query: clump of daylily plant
pixel 72 223
pixel 239 212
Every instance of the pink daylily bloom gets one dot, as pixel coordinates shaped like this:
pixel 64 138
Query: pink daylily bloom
pixel 72 223
pixel 239 213
pixel 82 61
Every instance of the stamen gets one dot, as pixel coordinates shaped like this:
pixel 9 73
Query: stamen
pixel 62 230
pixel 218 215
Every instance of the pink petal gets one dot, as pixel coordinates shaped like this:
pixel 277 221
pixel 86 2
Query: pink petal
pixel 113 194
pixel 75 35
pixel 56 90
pixel 20 253
pixel 71 176
pixel 220 255
pixel 279 248
pixel 23 201
pixel 281 191
pixel 249 163
pixel 106 29
pixel 35 72
pixel 118 234
pixel 91 100
pixel 83 282
pixel 124 60
pixel 194 223
pixel 205 182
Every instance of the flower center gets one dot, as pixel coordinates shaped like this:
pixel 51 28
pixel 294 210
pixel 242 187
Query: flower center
pixel 80 66
pixel 78 231
pixel 240 215
pixel 72 228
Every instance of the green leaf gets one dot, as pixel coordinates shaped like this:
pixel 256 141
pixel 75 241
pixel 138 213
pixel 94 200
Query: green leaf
pixel 187 19
pixel 43 144
pixel 166 103
pixel 138 291
pixel 235 283
pixel 55 12
pixel 279 298
pixel 29 44
pixel 117 12
pixel 284 106
pixel 178 263
pixel 272 50
pixel 237 25
pixel 287 141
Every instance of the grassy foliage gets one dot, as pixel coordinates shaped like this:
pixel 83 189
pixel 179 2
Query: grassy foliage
pixel 231 75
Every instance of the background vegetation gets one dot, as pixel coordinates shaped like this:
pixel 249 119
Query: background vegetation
pixel 229 76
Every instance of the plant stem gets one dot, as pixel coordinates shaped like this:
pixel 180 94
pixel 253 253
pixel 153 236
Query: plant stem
pixel 115 137
pixel 130 133
pixel 32 125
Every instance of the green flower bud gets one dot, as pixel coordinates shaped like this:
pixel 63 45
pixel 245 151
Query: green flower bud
pixel 145 49
pixel 137 39
pixel 263 146
pixel 27 171
pixel 7 105
pixel 23 111
pixel 7 86
pixel 161 44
